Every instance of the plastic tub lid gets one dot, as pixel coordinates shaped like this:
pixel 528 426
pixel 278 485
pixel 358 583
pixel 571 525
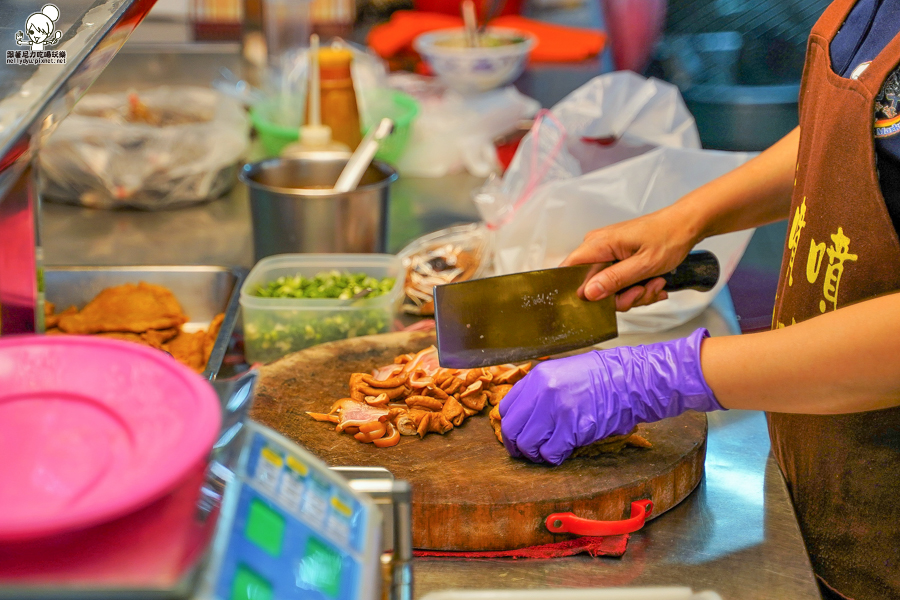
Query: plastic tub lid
pixel 92 429
pixel 308 265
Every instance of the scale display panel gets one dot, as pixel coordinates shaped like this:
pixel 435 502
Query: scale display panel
pixel 293 529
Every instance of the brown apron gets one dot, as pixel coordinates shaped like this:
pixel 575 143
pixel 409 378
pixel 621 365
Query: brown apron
pixel 843 471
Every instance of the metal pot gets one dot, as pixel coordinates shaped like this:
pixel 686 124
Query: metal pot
pixel 743 117
pixel 294 209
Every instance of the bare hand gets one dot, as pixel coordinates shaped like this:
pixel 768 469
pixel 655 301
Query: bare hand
pixel 640 248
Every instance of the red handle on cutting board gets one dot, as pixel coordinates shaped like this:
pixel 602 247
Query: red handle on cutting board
pixel 569 523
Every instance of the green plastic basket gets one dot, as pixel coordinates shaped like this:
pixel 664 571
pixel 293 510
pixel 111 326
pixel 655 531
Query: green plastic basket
pixel 274 137
pixel 399 107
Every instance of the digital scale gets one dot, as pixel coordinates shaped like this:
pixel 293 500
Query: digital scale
pixel 291 528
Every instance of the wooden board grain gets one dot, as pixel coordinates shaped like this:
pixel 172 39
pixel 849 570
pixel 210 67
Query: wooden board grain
pixel 468 493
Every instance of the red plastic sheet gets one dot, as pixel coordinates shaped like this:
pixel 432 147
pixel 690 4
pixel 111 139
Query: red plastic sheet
pixel 612 545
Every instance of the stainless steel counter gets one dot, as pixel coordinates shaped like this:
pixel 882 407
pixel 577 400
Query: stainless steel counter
pixel 735 534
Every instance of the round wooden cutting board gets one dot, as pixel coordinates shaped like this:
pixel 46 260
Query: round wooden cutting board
pixel 468 493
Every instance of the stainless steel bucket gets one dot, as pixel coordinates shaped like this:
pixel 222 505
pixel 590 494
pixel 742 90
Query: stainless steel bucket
pixel 294 210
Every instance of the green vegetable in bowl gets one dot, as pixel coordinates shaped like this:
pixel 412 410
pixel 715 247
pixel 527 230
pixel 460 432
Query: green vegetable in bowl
pixel 328 284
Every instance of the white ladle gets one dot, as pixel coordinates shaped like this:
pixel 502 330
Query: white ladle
pixel 362 157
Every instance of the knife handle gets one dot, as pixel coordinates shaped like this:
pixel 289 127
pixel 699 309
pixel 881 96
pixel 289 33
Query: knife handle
pixel 699 271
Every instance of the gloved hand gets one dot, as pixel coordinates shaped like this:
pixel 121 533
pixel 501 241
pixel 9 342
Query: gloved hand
pixel 570 402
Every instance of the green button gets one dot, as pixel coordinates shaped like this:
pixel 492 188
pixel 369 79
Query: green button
pixel 250 586
pixel 265 528
pixel 320 569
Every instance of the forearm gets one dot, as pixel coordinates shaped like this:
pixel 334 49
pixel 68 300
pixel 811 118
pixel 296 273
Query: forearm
pixel 839 362
pixel 756 193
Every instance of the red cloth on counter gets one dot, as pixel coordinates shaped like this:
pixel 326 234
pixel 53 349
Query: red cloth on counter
pixel 610 545
pixel 555 43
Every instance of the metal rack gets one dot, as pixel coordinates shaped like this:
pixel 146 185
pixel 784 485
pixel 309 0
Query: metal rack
pixel 34 98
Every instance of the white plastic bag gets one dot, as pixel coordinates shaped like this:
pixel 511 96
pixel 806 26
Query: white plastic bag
pixel 159 148
pixel 559 186
pixel 632 109
pixel 453 133
pixel 609 119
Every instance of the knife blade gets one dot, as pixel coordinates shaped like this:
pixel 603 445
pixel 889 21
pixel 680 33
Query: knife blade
pixel 522 316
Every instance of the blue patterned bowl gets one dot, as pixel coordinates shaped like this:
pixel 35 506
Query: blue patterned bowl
pixel 471 70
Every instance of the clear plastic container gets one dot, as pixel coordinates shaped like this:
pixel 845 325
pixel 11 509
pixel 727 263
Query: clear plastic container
pixel 458 253
pixel 274 327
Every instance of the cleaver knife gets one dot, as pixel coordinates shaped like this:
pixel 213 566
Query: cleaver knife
pixel 511 318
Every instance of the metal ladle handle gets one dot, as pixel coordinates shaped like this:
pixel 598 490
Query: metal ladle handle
pixel 362 157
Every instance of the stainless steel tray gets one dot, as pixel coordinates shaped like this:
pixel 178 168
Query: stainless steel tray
pixel 203 291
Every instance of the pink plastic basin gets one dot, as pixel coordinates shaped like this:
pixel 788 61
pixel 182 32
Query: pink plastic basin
pixel 92 429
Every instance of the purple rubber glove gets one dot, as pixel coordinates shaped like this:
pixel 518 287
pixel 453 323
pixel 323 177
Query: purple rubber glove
pixel 570 402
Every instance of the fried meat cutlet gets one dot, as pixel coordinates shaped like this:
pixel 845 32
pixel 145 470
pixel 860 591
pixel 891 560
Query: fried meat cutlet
pixel 155 338
pixel 144 314
pixel 211 334
pixel 51 317
pixel 124 336
pixel 187 348
pixel 127 308
pixel 158 337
